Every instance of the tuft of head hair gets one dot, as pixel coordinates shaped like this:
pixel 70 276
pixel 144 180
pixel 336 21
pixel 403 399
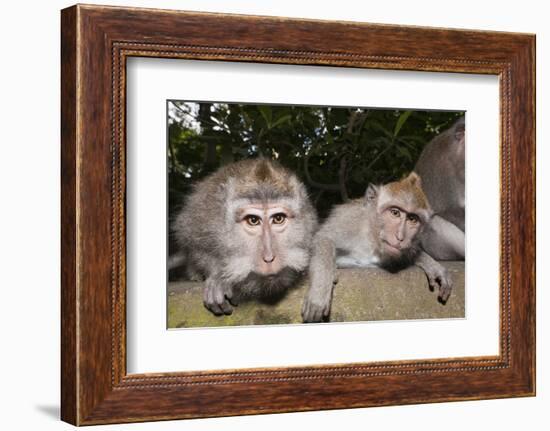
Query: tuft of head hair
pixel 271 172
pixel 263 179
pixel 409 189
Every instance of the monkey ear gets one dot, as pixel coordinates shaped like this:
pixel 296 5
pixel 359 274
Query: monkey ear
pixel 414 179
pixel 372 193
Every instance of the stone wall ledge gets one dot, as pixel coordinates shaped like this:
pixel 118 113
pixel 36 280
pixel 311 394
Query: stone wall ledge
pixel 369 294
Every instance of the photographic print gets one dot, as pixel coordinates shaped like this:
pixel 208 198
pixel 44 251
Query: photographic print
pixel 285 214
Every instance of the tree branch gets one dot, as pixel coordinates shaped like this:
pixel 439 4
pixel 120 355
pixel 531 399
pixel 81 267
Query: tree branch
pixel 312 182
pixel 342 179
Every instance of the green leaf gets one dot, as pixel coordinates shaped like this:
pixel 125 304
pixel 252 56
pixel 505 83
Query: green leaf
pixel 400 121
pixel 376 125
pixel 404 152
pixel 267 114
pixel 280 121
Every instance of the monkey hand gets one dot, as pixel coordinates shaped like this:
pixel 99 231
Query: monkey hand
pixel 216 297
pixel 316 305
pixel 438 276
pixel 440 279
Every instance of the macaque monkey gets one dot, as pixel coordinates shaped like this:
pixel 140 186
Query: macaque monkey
pixel 381 229
pixel 441 167
pixel 247 230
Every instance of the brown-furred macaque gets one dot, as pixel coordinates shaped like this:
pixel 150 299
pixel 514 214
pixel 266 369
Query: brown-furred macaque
pixel 441 167
pixel 381 229
pixel 247 230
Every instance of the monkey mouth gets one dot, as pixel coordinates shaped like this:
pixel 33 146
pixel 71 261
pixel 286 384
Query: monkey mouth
pixel 268 270
pixel 394 248
pixel 268 273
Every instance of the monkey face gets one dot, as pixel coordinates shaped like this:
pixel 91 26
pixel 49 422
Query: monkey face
pixel 264 231
pixel 399 230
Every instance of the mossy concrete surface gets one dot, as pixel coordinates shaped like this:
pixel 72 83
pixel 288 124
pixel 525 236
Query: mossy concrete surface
pixel 360 295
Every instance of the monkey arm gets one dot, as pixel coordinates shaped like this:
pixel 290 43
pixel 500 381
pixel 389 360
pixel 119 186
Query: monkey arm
pixel 438 276
pixel 443 240
pixel 322 275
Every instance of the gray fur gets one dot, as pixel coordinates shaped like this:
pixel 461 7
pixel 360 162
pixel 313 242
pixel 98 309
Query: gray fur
pixel 210 237
pixel 442 169
pixel 443 240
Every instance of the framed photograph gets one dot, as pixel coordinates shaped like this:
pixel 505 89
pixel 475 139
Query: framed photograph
pixel 286 215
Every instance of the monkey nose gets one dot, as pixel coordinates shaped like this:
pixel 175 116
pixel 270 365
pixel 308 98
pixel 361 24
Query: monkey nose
pixel 268 258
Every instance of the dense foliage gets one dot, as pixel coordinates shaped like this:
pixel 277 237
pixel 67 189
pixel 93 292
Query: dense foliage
pixel 335 151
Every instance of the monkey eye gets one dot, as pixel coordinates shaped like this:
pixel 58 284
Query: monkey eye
pixel 279 218
pixel 252 220
pixel 395 212
pixel 413 218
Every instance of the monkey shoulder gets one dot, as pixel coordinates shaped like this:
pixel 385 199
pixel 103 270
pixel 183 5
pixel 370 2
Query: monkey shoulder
pixel 347 213
pixel 344 222
pixel 197 224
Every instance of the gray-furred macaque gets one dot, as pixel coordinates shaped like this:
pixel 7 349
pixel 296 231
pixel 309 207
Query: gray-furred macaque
pixel 441 167
pixel 247 230
pixel 381 229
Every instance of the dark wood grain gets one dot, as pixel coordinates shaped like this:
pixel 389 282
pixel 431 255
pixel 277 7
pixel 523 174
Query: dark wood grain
pixel 69 397
pixel 96 41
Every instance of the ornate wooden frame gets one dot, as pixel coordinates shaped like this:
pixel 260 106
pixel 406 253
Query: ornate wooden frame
pixel 95 43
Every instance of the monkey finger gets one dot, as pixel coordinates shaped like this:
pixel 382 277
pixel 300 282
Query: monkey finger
pixel 207 297
pixel 444 293
pixel 233 301
pixel 445 289
pixel 441 300
pixel 210 303
pixel 317 314
pixel 214 308
pixel 305 306
pixel 432 284
pixel 312 313
pixel 221 302
pixel 306 312
pixel 310 317
pixel 226 307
